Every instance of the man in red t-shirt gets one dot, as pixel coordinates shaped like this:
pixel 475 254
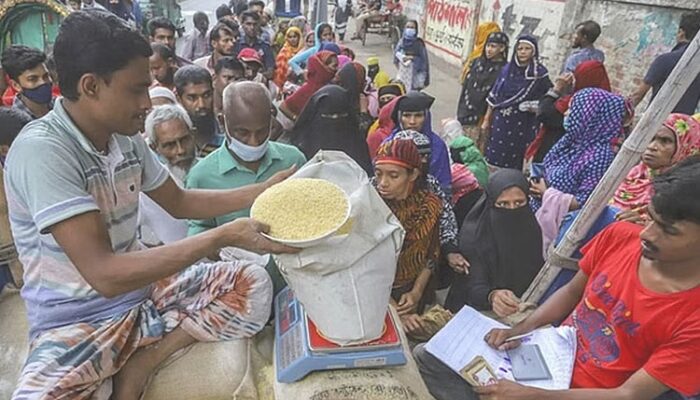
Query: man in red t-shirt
pixel 634 304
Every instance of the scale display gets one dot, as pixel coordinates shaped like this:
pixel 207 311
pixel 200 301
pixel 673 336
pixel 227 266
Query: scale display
pixel 301 349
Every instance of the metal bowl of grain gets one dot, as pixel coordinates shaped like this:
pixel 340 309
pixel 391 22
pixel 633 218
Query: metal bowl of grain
pixel 302 212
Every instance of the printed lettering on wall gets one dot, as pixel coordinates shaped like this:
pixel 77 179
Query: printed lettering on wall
pixel 448 25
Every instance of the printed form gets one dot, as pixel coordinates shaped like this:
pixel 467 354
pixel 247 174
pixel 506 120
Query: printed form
pixel 462 339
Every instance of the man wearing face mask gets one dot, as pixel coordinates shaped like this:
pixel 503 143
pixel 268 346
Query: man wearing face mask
pixel 29 77
pixel 247 155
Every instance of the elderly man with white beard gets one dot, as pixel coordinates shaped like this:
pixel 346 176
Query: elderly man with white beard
pixel 168 130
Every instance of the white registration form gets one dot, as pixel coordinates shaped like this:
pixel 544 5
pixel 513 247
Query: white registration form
pixel 462 339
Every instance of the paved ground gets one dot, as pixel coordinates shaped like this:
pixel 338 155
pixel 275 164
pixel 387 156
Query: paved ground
pixel 444 77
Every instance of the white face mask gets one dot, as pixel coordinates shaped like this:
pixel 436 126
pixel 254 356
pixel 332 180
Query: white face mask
pixel 245 152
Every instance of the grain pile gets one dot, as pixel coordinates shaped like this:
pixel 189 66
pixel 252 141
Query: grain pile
pixel 301 209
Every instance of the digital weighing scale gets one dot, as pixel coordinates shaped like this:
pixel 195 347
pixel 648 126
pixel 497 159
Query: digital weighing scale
pixel 301 349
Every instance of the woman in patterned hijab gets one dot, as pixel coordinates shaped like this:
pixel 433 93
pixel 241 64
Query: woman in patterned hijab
pixel 401 183
pixel 580 158
pixel 677 139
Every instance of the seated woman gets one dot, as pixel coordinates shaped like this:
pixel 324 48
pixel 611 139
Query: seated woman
pixel 677 139
pixel 401 183
pixel 555 104
pixel 412 112
pixel 502 241
pixel 578 161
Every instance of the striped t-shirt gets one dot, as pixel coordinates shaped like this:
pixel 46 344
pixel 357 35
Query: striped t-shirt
pixel 54 173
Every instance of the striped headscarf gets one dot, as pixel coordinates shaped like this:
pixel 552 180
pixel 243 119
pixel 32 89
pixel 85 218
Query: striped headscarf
pixel 399 152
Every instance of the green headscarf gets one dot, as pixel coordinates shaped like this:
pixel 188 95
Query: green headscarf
pixel 463 150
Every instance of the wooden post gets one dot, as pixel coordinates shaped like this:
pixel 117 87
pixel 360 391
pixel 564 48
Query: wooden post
pixel 671 92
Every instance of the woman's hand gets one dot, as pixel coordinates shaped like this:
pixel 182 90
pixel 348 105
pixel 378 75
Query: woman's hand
pixel 563 82
pixel 408 303
pixel 458 263
pixel 504 302
pixel 413 324
pixel 537 187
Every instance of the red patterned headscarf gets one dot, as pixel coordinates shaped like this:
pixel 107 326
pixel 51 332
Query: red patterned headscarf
pixel 636 190
pixel 403 153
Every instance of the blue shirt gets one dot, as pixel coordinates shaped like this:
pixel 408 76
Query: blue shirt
pixel 659 71
pixel 580 55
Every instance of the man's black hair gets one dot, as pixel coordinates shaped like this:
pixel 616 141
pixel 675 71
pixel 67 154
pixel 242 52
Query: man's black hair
pixel 232 25
pixel 94 41
pixel 216 34
pixel 17 59
pixel 160 23
pixel 11 123
pixel 256 3
pixel 231 63
pixel 250 14
pixel 191 75
pixel 677 192
pixel 223 11
pixel 200 16
pixel 590 30
pixel 240 8
pixel 163 51
pixel 690 24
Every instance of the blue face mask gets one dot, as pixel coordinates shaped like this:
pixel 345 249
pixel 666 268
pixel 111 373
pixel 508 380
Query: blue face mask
pixel 410 32
pixel 40 94
pixel 245 152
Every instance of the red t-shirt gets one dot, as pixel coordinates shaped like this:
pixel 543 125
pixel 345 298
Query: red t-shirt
pixel 623 326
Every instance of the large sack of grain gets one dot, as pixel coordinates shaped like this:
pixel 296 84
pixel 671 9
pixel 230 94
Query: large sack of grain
pixel 204 371
pixel 344 282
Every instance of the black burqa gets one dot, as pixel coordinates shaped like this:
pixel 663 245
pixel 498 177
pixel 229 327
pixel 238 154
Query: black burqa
pixel 328 123
pixel 503 246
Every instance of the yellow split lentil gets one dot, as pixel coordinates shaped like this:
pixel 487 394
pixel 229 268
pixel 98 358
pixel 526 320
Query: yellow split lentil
pixel 301 209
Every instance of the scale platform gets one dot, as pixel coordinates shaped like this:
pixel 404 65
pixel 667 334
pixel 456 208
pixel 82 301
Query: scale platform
pixel 301 349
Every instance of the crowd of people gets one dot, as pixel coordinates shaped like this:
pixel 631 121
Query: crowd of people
pixel 152 154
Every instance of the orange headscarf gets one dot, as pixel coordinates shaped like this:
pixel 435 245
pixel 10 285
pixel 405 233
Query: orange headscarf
pixel 286 53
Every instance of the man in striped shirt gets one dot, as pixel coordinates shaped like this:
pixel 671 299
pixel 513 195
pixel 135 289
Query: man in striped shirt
pixel 96 298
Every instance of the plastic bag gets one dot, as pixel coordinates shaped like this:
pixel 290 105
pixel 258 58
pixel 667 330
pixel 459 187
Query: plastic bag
pixel 344 283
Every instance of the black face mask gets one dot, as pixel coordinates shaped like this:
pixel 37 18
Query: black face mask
pixel 372 71
pixel 40 94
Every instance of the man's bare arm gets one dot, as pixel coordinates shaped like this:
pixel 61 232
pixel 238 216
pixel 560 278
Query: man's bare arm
pixel 640 386
pixel 639 94
pixel 557 307
pixel 85 240
pixel 204 204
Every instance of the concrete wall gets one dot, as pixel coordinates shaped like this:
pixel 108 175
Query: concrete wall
pixel 449 28
pixel 634 31
pixel 634 34
pixel 540 18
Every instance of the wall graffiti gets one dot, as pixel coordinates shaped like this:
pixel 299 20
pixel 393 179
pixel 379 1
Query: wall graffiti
pixel 539 18
pixel 448 25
